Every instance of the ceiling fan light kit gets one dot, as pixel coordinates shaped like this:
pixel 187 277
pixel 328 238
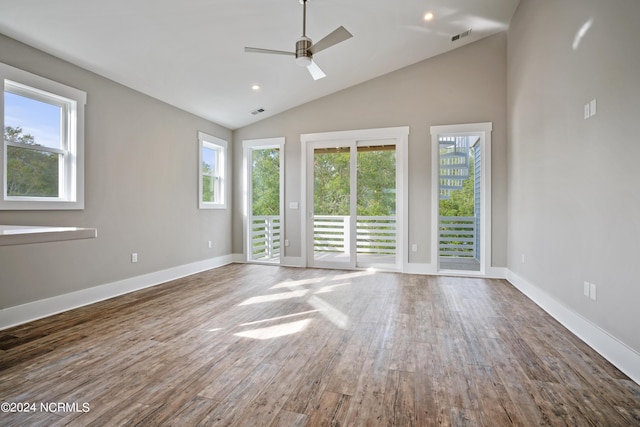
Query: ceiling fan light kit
pixel 305 49
pixel 303 56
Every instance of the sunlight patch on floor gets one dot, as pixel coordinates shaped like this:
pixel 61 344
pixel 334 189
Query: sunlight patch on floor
pixel 353 275
pixel 291 283
pixel 331 288
pixel 332 314
pixel 275 297
pixel 276 331
pixel 279 317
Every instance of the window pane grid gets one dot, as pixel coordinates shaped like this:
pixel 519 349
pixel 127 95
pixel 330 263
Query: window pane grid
pixel 41 161
pixel 212 172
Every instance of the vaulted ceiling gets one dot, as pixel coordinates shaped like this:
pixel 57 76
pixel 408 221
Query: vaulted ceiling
pixel 190 53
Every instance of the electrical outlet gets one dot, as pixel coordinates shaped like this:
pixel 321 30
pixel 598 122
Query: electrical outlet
pixel 414 248
pixel 134 257
pixel 209 243
pixel 286 242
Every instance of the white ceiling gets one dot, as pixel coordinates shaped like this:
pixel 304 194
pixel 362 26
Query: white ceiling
pixel 190 53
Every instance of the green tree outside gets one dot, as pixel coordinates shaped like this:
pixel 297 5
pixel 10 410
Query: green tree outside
pixel 30 172
pixel 376 183
pixel 461 202
pixel 265 182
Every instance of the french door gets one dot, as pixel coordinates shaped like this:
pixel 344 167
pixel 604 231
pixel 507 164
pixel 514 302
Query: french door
pixel 352 203
pixel 264 184
pixel 461 220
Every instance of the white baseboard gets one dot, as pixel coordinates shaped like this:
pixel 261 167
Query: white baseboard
pixel 239 258
pixel 19 314
pixel 430 269
pixel 615 351
pixel 291 261
pixel 419 268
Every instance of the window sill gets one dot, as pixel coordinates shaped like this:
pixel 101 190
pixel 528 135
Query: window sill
pixel 25 234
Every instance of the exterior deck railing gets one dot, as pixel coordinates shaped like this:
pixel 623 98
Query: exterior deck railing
pixel 458 236
pixel 376 235
pixel 265 237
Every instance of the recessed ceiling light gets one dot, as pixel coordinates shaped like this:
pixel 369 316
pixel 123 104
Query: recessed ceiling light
pixel 255 87
pixel 428 16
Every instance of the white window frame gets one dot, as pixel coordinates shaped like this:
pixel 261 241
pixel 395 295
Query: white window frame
pixel 220 145
pixel 248 146
pixel 483 130
pixel 401 136
pixel 71 177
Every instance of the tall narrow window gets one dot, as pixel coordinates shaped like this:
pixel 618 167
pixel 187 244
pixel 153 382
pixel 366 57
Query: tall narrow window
pixel 42 161
pixel 212 166
pixel 264 188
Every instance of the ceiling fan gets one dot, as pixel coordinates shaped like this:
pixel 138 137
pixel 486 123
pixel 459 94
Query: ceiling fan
pixel 305 48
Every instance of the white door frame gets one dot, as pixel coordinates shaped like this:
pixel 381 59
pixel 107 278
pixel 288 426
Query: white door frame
pixel 483 130
pixel 400 135
pixel 247 148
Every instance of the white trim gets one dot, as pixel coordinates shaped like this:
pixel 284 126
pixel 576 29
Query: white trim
pixel 401 136
pixel 28 312
pixel 431 270
pixel 611 348
pixel 238 258
pixel 291 261
pixel 214 142
pixel 420 268
pixel 484 131
pixel 248 146
pixel 72 101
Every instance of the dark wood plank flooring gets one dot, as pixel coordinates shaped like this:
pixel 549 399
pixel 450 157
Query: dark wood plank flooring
pixel 253 345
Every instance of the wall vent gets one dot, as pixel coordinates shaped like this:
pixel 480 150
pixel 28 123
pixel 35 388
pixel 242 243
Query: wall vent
pixel 258 111
pixel 461 35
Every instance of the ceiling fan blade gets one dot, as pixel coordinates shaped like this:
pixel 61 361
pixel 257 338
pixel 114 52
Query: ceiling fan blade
pixel 338 35
pixel 276 52
pixel 315 71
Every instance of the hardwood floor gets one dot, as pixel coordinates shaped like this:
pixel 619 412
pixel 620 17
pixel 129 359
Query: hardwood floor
pixel 255 345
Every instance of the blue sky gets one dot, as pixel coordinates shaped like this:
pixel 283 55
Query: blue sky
pixel 36 118
pixel 209 157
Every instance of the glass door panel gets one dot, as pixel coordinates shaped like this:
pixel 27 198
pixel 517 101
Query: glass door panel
pixel 459 205
pixel 264 220
pixel 332 206
pixel 376 205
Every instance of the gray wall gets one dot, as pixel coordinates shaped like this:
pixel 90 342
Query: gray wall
pixel 141 192
pixel 466 85
pixel 574 184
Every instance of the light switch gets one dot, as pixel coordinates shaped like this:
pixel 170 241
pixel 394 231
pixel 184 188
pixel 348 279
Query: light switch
pixel 592 108
pixel 586 111
pixel 293 205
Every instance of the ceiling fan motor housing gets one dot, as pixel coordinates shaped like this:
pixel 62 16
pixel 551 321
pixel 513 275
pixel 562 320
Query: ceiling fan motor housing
pixel 303 56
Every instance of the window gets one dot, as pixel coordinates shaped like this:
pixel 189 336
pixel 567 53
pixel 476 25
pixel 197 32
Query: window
pixel 212 172
pixel 42 161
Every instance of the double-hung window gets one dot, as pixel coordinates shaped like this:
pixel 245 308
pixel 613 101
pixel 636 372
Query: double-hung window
pixel 41 161
pixel 212 172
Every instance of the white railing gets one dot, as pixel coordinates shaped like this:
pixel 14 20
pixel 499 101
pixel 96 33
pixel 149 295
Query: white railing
pixel 331 233
pixel 376 235
pixel 458 236
pixel 265 237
